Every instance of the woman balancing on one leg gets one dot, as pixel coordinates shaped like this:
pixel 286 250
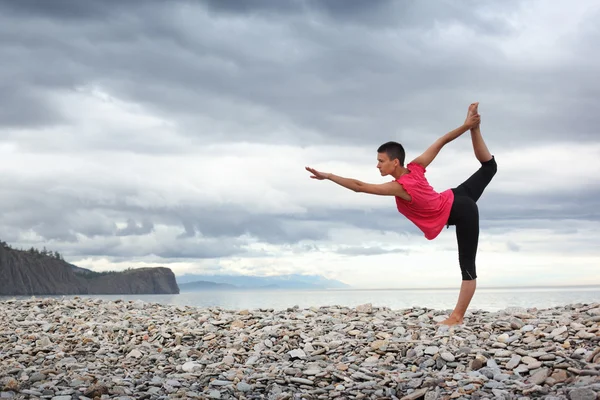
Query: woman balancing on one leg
pixel 429 210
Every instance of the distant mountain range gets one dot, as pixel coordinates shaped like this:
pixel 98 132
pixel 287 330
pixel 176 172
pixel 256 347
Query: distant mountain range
pixel 192 282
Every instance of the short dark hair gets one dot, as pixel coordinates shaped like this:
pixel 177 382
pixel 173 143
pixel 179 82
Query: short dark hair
pixel 393 150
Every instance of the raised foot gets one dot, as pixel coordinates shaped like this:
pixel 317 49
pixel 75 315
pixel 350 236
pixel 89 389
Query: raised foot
pixel 473 111
pixel 473 108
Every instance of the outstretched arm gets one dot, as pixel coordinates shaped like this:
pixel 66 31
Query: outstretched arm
pixel 432 151
pixel 384 189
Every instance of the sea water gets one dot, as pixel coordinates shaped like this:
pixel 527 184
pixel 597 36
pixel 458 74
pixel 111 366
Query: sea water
pixel 488 299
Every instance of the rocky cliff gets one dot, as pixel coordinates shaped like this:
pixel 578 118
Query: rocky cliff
pixel 27 273
pixel 158 280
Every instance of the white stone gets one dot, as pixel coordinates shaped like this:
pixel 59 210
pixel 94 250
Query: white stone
pixel 365 308
pixel 252 360
pixel 135 353
pixel 229 360
pixel 312 371
pixel 190 366
pixel 297 353
pixel 527 328
pixel 503 338
pixel 558 331
pixel 244 387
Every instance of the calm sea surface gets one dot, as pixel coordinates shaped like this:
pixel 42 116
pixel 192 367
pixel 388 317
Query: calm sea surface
pixel 442 299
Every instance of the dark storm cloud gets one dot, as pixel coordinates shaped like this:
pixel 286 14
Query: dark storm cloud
pixel 378 14
pixel 72 9
pixel 133 228
pixel 364 84
pixel 233 221
pixel 212 249
pixel 167 249
pixel 582 204
pixel 256 6
pixel 22 107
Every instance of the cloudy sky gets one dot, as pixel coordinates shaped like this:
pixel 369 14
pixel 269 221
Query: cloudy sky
pixel 176 134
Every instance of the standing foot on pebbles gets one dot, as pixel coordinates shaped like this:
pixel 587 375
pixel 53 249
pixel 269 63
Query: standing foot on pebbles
pixel 451 320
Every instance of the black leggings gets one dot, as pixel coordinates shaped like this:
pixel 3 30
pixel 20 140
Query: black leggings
pixel 465 215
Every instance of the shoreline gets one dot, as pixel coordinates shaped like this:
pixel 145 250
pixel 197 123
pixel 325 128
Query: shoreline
pixel 82 348
pixel 491 300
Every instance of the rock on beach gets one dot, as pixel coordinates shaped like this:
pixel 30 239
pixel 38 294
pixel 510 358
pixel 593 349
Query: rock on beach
pixel 86 348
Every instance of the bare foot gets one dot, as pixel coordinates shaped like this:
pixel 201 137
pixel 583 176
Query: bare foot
pixel 472 109
pixel 451 320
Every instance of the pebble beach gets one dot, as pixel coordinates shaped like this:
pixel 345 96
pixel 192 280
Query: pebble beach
pixel 76 348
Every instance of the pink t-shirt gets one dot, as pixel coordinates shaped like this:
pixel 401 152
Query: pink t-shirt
pixel 428 209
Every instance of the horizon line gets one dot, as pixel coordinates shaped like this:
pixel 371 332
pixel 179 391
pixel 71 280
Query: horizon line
pixel 479 287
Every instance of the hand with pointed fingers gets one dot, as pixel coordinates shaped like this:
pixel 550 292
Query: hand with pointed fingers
pixel 317 174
